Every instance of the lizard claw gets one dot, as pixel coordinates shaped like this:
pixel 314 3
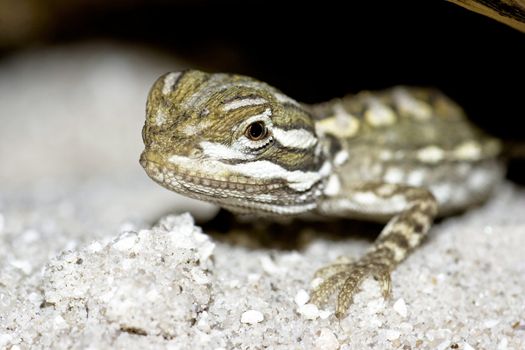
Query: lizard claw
pixel 347 278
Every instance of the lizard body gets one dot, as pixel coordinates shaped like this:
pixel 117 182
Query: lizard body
pixel 401 156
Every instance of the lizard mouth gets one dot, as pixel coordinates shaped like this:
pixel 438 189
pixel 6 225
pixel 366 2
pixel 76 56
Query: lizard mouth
pixel 232 191
pixel 167 172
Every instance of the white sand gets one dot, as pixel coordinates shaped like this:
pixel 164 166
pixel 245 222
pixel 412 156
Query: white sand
pixel 81 267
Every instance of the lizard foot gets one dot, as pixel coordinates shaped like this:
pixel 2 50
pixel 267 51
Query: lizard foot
pixel 347 277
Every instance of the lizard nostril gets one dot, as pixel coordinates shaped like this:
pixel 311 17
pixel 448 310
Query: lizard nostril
pixel 196 153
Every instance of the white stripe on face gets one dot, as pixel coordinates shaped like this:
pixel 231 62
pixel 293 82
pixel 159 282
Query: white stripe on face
pixel 298 138
pixel 169 81
pixel 260 170
pixel 243 102
pixel 264 169
pixel 220 151
pixel 214 85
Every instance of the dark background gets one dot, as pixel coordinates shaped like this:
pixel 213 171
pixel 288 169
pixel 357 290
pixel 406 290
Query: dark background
pixel 314 52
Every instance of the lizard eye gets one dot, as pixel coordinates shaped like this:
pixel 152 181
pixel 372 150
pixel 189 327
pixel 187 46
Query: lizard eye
pixel 256 131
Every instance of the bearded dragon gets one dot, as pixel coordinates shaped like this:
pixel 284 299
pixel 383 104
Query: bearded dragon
pixel 401 156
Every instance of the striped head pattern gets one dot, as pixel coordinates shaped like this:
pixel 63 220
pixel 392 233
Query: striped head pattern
pixel 234 141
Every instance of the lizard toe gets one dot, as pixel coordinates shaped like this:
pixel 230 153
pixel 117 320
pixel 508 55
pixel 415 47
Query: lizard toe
pixel 323 291
pixel 346 279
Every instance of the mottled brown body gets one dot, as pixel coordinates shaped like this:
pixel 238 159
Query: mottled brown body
pixel 421 139
pixel 402 155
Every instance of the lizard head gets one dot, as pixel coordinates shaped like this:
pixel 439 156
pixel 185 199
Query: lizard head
pixel 233 141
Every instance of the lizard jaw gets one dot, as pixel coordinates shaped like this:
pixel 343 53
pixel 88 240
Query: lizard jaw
pixel 233 191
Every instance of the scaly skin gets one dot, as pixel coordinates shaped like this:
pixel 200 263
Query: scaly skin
pixel 400 156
